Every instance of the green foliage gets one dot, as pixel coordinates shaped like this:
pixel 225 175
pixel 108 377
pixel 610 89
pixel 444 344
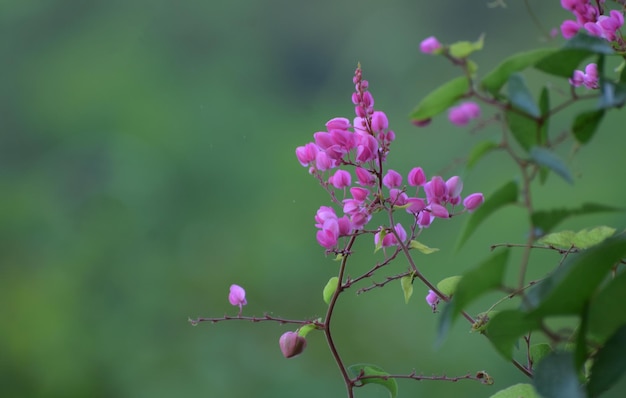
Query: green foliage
pixel 524 129
pixel 505 195
pixel 545 157
pixel 606 311
pixel 422 247
pixel 495 79
pixel 440 99
pixel 463 49
pixel 582 239
pixel 520 96
pixel 564 61
pixel 538 351
pixel 330 288
pixel 506 327
pixel 609 364
pixel 556 377
pixel 517 391
pixel 586 124
pixel 479 151
pixel 364 369
pixel 448 285
pixel 406 283
pixel 546 220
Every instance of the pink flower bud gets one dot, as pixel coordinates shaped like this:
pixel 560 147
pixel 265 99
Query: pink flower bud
pixel 237 296
pixel 291 344
pixel 577 78
pixel 392 179
pixel 424 219
pixel 359 194
pixel 340 179
pixel 379 121
pixel 436 190
pixel 439 211
pixel 338 123
pixel 432 299
pixel 454 186
pixel 306 154
pixel 365 177
pixel 472 202
pixel 430 45
pixel 416 177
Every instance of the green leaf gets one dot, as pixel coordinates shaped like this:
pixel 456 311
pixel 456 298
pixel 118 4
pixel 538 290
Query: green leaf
pixel 564 61
pixel 613 95
pixel 582 239
pixel 566 291
pixel 485 277
pixel 479 151
pixel 544 157
pixel 609 364
pixel 525 129
pixel 606 310
pixel 463 49
pixel 381 237
pixel 364 369
pixel 304 330
pixel 520 96
pixel 538 351
pixel 546 220
pixel 517 391
pixel 585 125
pixel 556 377
pixel 330 288
pixel 441 99
pixel 505 195
pixel 422 247
pixel 407 287
pixel 506 327
pixel 544 107
pixel 495 79
pixel 448 285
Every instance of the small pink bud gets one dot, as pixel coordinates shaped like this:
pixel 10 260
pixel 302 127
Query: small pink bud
pixel 430 45
pixel 340 179
pixel 237 296
pixel 338 123
pixel 473 201
pixel 462 114
pixel 379 121
pixel 365 177
pixel 291 344
pixel 392 179
pixel 432 299
pixel 359 194
pixel 416 177
pixel 454 186
pixel 439 211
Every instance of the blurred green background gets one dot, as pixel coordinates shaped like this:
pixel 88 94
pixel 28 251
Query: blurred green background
pixel 147 162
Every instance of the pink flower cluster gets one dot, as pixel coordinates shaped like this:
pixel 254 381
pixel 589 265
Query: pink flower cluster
pixel 363 146
pixel 589 17
pixel 588 78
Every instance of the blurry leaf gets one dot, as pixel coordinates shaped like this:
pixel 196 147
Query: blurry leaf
pixel 609 364
pixel 480 150
pixel 613 95
pixel 544 107
pixel 330 288
pixel 573 283
pixel 462 49
pixel 517 62
pixel 506 327
pixel 381 237
pixel 545 157
pixel 478 281
pixel 517 391
pixel 407 287
pixel 364 369
pixel 520 96
pixel 556 377
pixel 448 285
pixel 581 239
pixel 507 194
pixel 548 219
pixel 585 125
pixel 606 310
pixel 482 319
pixel 525 129
pixel 422 247
pixel 441 99
pixel 538 351
pixel 564 61
pixel 580 348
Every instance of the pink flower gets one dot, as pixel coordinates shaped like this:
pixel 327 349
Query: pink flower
pixel 462 114
pixel 577 78
pixel 439 211
pixel 569 29
pixel 392 179
pixel 237 296
pixel 359 194
pixel 291 344
pixel 430 45
pixel 454 186
pixel 588 78
pixel 338 123
pixel 415 205
pixel 473 201
pixel 340 179
pixel 397 197
pixel 379 121
pixel 424 219
pixel 390 239
pixel 306 154
pixel 364 177
pixel 436 190
pixel 432 299
pixel 416 177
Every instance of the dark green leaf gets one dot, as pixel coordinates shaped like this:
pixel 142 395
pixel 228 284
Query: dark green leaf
pixel 538 351
pixel 564 61
pixel 606 311
pixel 520 96
pixel 506 327
pixel 546 220
pixel 497 77
pixel 517 391
pixel 441 99
pixel 585 125
pixel 365 369
pixel 566 291
pixel 479 151
pixel 613 95
pixel 544 107
pixel 448 285
pixel 524 128
pixel 609 364
pixel 556 377
pixel 544 157
pixel 506 195
pixel 480 280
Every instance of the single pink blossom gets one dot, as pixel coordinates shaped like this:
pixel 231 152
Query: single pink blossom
pixel 291 344
pixel 464 113
pixel 338 123
pixel 237 296
pixel 430 45
pixel 439 211
pixel 432 299
pixel 416 177
pixel 569 28
pixel 473 201
pixel 340 179
pixel 364 177
pixel 392 179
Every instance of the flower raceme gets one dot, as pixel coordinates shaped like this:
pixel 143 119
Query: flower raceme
pixel 363 145
pixel 588 17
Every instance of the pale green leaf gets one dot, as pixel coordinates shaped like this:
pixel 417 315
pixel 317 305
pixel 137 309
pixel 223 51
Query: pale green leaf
pixel 422 247
pixel 330 288
pixel 406 282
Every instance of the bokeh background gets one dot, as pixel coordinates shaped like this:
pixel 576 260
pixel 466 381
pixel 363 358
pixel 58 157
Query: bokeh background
pixel 147 162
